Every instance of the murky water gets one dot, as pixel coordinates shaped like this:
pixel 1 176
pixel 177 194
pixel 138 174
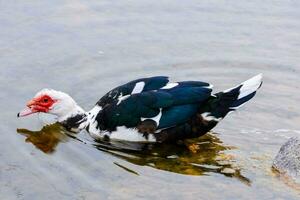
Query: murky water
pixel 86 48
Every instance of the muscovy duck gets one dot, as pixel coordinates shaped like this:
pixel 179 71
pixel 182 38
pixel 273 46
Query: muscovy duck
pixel 147 110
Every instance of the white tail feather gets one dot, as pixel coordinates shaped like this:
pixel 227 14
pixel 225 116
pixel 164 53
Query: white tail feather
pixel 250 86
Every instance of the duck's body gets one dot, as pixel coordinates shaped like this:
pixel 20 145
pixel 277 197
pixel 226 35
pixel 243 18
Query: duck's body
pixel 156 110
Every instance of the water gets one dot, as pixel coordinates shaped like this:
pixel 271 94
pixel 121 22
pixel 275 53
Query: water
pixel 86 48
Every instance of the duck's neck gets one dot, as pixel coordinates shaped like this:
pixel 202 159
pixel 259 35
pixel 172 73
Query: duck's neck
pixel 79 119
pixel 75 120
pixel 76 110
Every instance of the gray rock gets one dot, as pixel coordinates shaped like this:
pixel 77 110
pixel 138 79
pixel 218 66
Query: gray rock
pixel 287 160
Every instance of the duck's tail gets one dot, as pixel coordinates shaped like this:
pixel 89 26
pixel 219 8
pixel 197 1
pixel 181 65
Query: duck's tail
pixel 217 107
pixel 231 99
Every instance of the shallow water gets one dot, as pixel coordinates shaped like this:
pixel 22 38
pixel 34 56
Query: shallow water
pixel 86 48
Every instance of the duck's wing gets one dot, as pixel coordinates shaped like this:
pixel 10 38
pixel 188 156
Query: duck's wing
pixel 166 107
pixel 133 87
pixel 144 85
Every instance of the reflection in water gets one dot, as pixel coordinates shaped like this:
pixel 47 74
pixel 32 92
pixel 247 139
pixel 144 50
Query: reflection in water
pixel 199 156
pixel 287 179
pixel 47 138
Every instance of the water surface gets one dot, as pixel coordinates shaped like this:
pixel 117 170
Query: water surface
pixel 86 48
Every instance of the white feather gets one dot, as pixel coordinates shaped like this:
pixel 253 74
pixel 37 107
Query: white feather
pixel 208 117
pixel 138 88
pixel 170 85
pixel 91 116
pixel 123 133
pixel 210 86
pixel 128 134
pixel 250 86
pixel 122 98
pixel 156 118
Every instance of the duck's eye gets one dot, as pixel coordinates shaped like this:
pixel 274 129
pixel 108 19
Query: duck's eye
pixel 45 100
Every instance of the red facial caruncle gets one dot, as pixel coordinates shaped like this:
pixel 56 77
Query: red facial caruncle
pixel 41 103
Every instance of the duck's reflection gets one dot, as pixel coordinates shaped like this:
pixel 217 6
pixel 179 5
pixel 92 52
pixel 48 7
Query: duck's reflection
pixel 200 156
pixel 47 138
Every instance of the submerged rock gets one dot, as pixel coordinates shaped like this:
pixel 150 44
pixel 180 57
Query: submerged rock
pixel 287 160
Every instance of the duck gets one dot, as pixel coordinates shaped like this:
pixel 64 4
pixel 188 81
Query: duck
pixel 152 109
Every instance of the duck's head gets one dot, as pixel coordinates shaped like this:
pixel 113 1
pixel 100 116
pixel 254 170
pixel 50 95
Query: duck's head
pixel 53 102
